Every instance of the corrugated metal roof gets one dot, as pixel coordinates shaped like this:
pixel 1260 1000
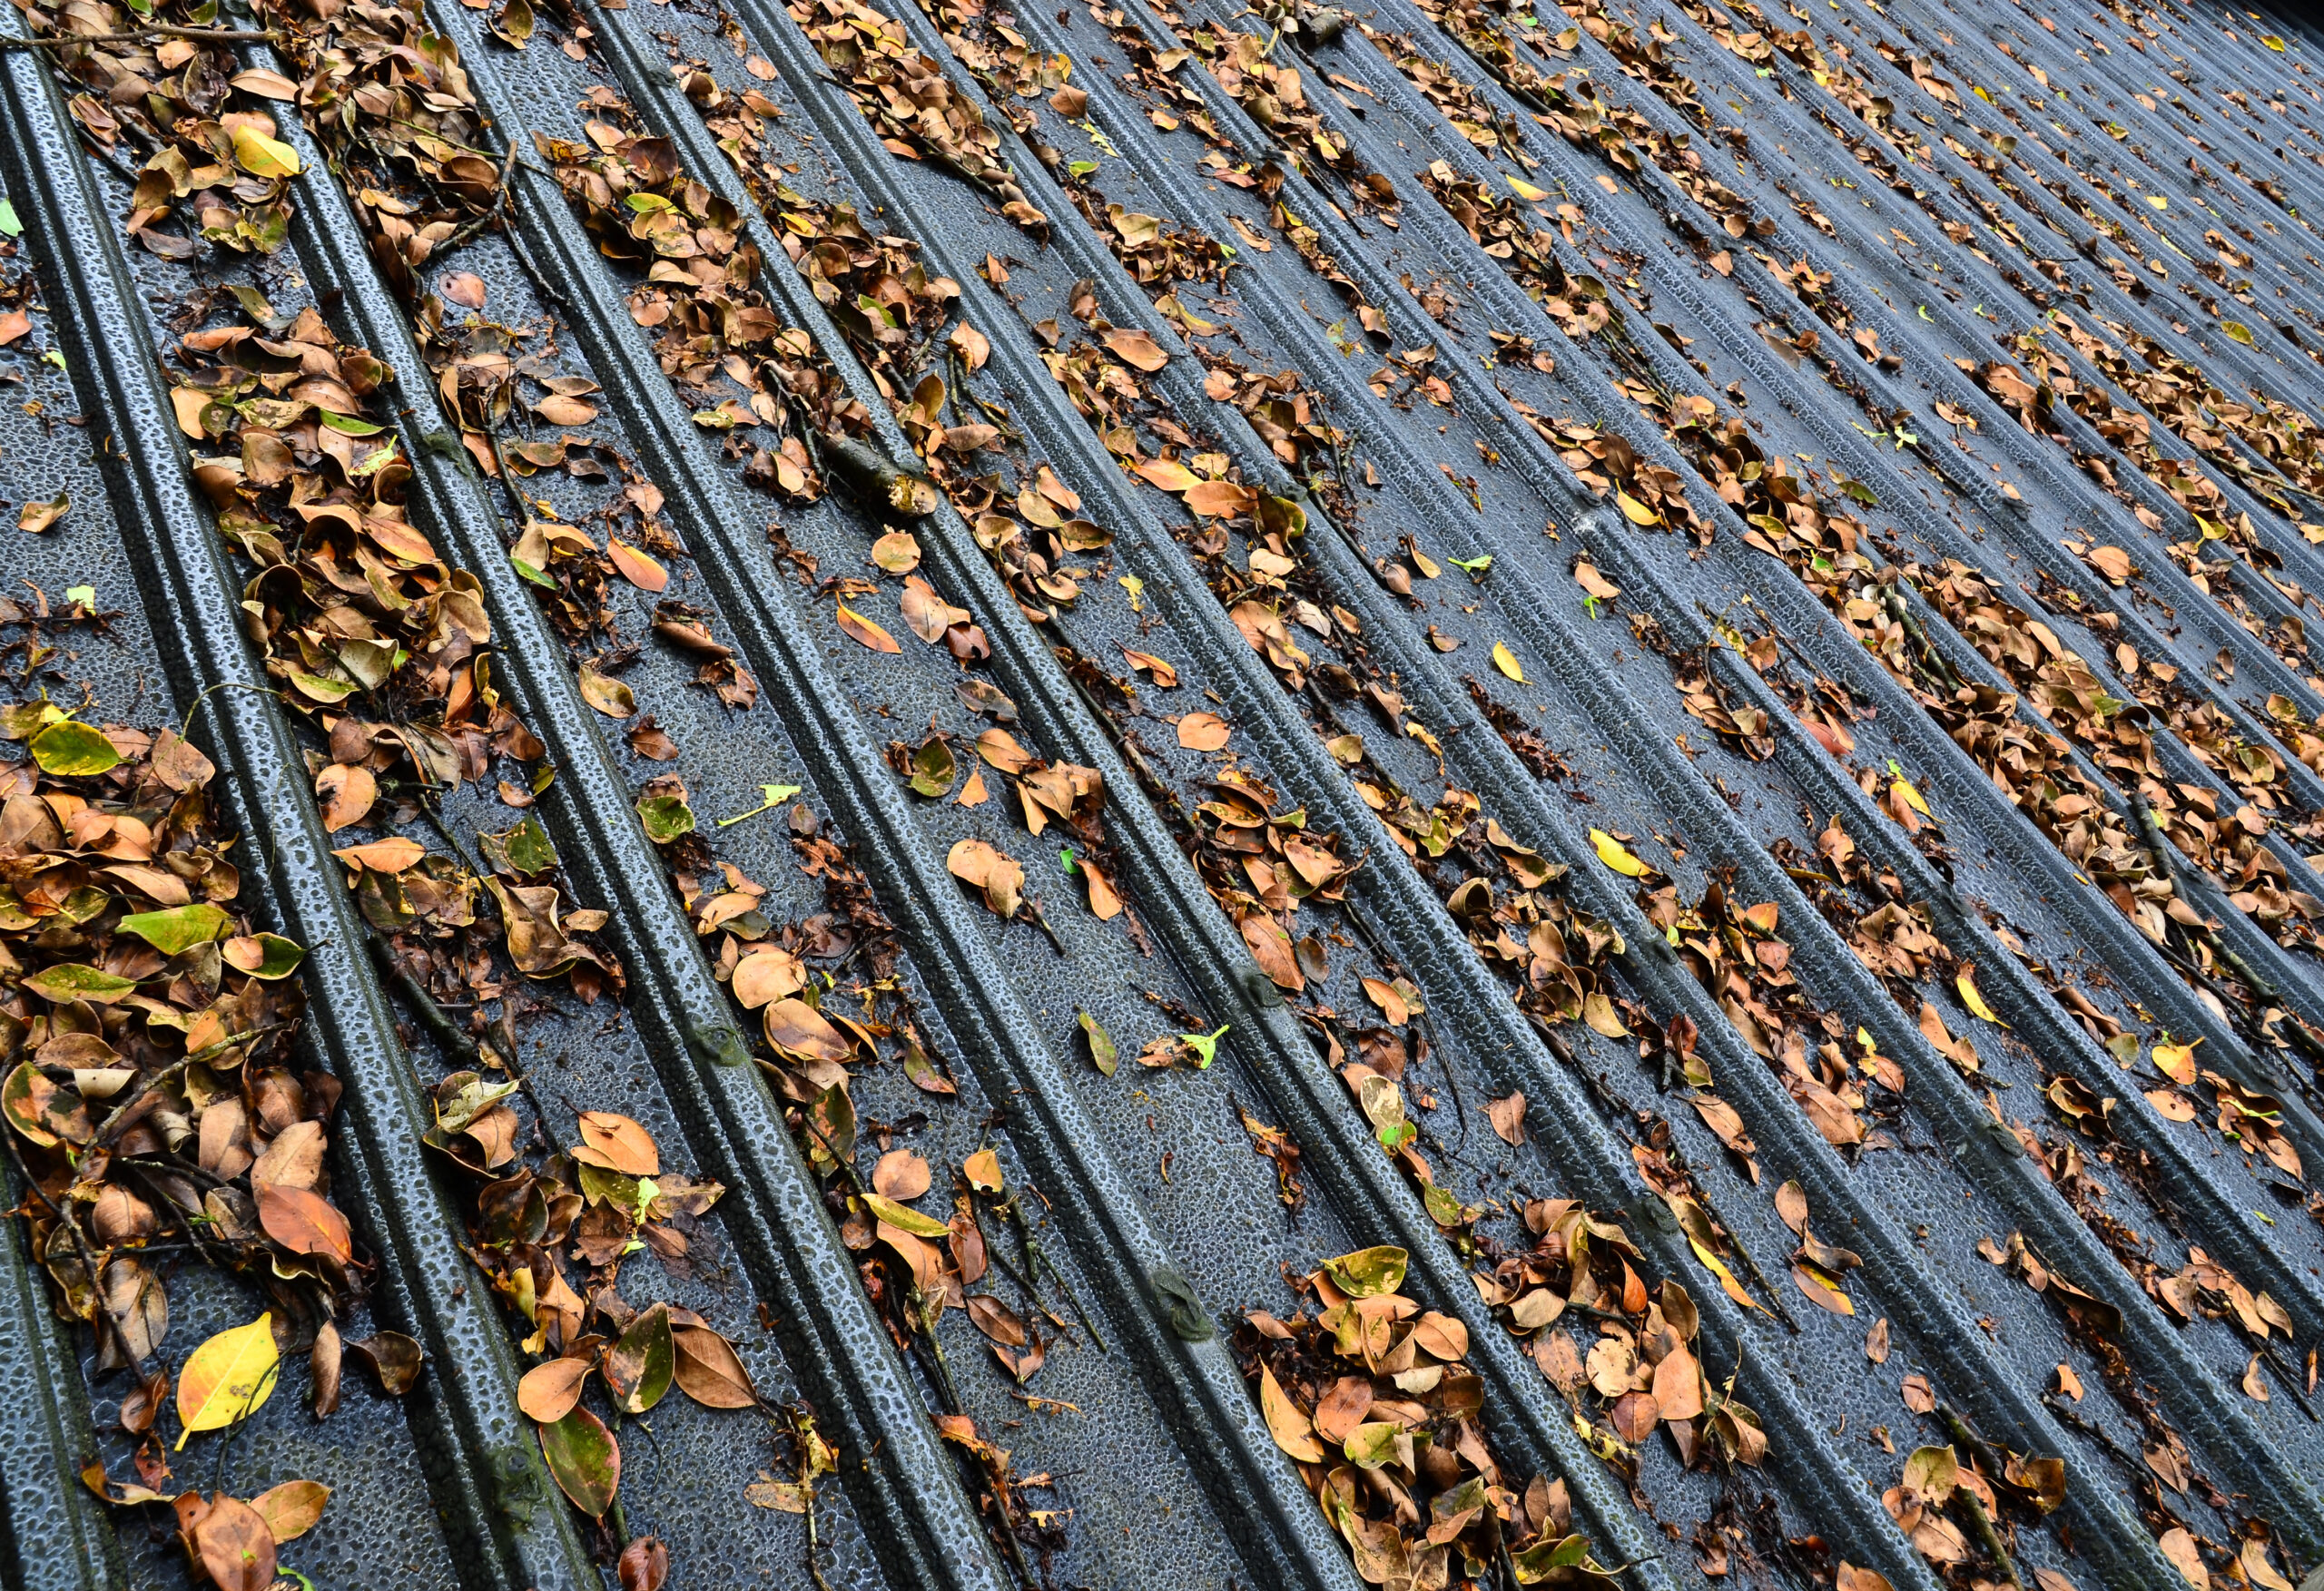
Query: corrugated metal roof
pixel 1586 739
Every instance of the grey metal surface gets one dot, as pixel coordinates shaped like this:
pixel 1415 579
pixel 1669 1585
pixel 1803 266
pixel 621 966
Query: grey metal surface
pixel 1164 1465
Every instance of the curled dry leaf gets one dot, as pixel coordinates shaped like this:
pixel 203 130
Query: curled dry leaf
pixel 548 1391
pixel 994 872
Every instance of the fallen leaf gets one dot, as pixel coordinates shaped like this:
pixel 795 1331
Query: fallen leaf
pixel 617 1144
pixel 1293 1432
pixel 1202 731
pixel 710 1371
pixel 609 695
pixel 345 793
pixel 235 1546
pixel 1612 852
pixel 304 1222
pixel 866 632
pixel 1506 662
pixel 228 1377
pixel 548 1391
pixel 291 1508
pixel 1135 348
pixel 1875 1341
pixel 901 1175
pixel 36 515
pixel 585 1460
pixel 635 568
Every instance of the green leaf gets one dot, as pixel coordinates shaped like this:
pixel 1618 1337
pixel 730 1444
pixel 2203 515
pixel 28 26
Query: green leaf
pixel 1204 1045
pixel 176 931
pixel 525 850
pixel 1371 1444
pixel 641 1366
pixel 265 956
pixel 1102 1054
pixel 348 424
pixel 665 818
pixel 1368 1273
pixel 533 573
pixel 72 749
pixel 77 980
pixel 9 225
pixel 584 1460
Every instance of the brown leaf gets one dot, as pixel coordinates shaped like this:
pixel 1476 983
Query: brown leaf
pixel 394 1358
pixel 1508 1118
pixel 710 1371
pixel 616 1142
pixel 797 1028
pixel 324 1361
pixel 1875 1341
pixel 975 348
pixel 1202 731
pixel 303 1222
pixel 606 694
pixel 643 1565
pixel 36 515
pixel 901 1175
pixel 291 1508
pixel 1135 348
pixel 651 740
pixel 995 872
pixel 1293 1432
pixel 996 1319
pixel 345 793
pixel 1918 1395
pixel 548 1391
pixel 898 552
pixel 235 1546
pixel 14 324
pixel 2180 1547
pixel 464 287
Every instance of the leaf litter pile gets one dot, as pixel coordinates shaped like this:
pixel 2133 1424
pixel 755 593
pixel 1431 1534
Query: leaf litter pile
pixel 1368 1394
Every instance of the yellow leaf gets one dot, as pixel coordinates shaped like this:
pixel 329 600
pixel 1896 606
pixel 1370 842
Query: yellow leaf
pixel 262 156
pixel 1506 662
pixel 1636 512
pixel 1525 189
pixel 2157 200
pixel 227 1378
pixel 2237 330
pixel 1966 987
pixel 1726 1278
pixel 2176 1061
pixel 2272 43
pixel 1612 852
pixel 1605 1021
pixel 1292 1430
pixel 1904 787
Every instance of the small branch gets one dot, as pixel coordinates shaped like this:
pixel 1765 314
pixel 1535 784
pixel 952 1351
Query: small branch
pixel 208 35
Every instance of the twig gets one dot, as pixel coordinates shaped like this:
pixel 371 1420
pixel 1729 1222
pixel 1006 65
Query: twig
pixel 81 1245
pixel 1989 1536
pixel 468 228
pixel 117 1123
pixel 208 35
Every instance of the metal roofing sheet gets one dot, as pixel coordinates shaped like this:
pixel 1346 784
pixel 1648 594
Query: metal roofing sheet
pixel 1559 770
